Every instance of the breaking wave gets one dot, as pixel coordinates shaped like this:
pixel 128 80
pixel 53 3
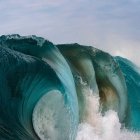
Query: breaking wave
pixel 66 92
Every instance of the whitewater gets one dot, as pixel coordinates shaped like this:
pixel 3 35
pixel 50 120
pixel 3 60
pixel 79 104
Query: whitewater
pixel 66 92
pixel 99 127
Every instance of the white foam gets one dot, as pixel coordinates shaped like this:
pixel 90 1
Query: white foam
pixel 51 117
pixel 94 126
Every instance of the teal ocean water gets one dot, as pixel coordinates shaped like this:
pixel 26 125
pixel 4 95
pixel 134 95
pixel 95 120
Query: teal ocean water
pixel 66 92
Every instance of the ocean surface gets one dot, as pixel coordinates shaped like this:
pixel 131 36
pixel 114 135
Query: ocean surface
pixel 66 92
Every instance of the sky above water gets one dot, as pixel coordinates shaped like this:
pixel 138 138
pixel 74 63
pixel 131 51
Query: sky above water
pixel 110 25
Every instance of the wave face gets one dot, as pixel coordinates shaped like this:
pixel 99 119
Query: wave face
pixel 65 92
pixel 132 77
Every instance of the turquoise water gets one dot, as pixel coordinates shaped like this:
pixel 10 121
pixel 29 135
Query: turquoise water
pixel 62 92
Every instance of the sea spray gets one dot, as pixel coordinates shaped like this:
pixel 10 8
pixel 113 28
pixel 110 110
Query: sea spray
pixel 96 126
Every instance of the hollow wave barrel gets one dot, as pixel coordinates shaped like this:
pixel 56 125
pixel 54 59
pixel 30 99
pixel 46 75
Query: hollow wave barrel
pixel 37 92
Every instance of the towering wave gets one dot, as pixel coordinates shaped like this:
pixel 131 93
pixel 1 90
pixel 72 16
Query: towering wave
pixel 54 92
pixel 38 97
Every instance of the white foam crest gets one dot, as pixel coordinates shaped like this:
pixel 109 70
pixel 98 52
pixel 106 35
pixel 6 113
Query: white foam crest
pixel 94 126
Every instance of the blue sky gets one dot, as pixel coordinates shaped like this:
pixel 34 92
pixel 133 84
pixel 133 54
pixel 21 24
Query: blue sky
pixel 111 25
